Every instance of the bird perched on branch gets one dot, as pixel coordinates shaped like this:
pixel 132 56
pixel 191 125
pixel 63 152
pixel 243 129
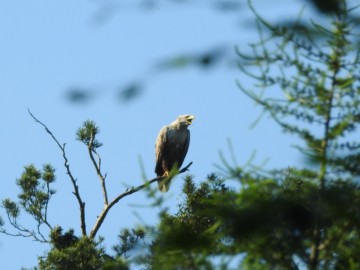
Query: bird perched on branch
pixel 171 147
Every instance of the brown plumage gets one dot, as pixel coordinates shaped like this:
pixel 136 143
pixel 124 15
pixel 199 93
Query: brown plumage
pixel 171 147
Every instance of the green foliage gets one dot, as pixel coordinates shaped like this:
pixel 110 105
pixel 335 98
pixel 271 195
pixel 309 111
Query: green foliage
pixel 320 87
pixel 87 134
pixel 35 190
pixel 35 194
pixel 62 241
pixel 270 224
pixel 12 209
pixel 183 240
pixel 129 239
pixel 69 252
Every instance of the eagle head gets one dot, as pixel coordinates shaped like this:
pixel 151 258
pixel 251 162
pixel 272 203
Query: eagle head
pixel 185 120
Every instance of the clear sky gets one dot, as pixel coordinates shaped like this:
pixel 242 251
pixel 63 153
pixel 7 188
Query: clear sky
pixel 49 47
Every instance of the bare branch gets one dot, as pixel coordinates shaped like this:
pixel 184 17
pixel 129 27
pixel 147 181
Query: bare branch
pixel 45 220
pixel 22 231
pixel 68 172
pixel 39 231
pixel 97 166
pixel 106 209
pixel 31 234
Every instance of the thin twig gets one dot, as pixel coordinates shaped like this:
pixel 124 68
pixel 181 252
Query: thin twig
pixel 45 220
pixel 97 166
pixel 22 231
pixel 68 172
pixel 39 231
pixel 106 209
pixel 31 234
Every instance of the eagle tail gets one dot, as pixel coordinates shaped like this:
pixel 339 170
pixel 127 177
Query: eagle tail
pixel 164 185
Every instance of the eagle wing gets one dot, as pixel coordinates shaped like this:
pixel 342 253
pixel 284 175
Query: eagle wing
pixel 159 151
pixel 185 149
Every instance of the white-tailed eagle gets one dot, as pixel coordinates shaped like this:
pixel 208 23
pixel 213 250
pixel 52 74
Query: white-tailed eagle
pixel 171 147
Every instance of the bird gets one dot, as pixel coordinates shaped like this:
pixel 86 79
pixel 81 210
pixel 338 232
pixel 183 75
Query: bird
pixel 171 147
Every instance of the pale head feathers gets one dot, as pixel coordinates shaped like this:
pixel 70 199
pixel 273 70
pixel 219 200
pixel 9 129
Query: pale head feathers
pixel 183 120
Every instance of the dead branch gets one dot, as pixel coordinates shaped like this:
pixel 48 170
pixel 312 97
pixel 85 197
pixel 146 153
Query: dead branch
pixel 106 209
pixel 68 172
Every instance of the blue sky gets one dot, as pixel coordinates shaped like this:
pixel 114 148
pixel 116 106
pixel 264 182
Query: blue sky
pixel 49 47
